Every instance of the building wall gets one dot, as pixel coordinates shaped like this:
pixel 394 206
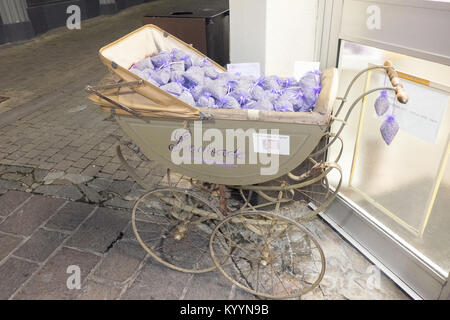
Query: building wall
pixel 248 31
pixel 275 33
pixel 24 19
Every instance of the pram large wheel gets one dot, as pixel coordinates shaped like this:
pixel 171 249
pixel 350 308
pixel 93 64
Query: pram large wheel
pixel 267 255
pixel 174 226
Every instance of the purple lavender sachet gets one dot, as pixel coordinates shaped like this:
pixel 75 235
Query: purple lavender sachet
pixel 161 59
pixel 310 88
pixel 194 76
pixel 197 82
pixel 282 105
pixel 187 97
pixel 382 103
pixel 172 88
pixel 162 76
pixel 389 129
pixel 144 64
pixel 228 102
pixel 206 101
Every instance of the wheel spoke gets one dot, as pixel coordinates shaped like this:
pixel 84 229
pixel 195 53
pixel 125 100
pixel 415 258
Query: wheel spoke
pixel 265 258
pixel 170 213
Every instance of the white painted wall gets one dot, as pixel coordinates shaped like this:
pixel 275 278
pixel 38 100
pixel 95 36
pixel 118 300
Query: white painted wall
pixel 290 34
pixel 275 33
pixel 248 31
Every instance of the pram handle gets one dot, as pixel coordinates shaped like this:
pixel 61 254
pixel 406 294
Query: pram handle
pixel 402 96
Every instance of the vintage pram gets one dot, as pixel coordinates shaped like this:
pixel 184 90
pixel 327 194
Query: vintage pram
pixel 207 226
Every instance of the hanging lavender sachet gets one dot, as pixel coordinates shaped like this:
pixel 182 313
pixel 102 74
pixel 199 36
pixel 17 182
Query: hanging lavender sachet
pixel 389 129
pixel 382 103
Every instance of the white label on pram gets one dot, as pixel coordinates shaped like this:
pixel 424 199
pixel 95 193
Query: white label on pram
pixel 271 144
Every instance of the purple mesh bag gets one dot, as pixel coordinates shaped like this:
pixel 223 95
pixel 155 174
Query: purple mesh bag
pixel 172 88
pixel 215 89
pixel 228 102
pixel 177 55
pixel 271 83
pixel 283 106
pixel 186 97
pixel 382 103
pixel 310 89
pixel 206 102
pixel 177 76
pixel 162 76
pixel 144 64
pixel 177 66
pixel 196 92
pixel 257 93
pixel 389 129
pixel 211 72
pixel 194 76
pixel 161 59
pixel 263 104
pixel 242 96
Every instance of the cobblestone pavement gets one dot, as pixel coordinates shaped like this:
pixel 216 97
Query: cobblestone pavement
pixel 42 236
pixel 66 200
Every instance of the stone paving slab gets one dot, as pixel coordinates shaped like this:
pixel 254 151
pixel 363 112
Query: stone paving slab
pixel 121 262
pixel 208 286
pixel 93 290
pixel 11 200
pixel 51 281
pixel 100 231
pixel 7 244
pixel 156 282
pixel 13 274
pixel 70 216
pixel 31 215
pixel 41 245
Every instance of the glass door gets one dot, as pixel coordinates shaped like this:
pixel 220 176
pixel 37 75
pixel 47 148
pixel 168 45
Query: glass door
pixel 395 200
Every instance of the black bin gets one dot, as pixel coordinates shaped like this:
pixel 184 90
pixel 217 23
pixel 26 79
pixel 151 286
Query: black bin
pixel 203 23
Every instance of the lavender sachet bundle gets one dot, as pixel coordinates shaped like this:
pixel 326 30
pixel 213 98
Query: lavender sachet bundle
pixel 197 82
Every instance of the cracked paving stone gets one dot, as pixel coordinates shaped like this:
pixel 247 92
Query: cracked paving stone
pixel 77 178
pixel 39 175
pixel 119 203
pixel 121 262
pixel 70 216
pixel 50 283
pixel 91 194
pixel 100 184
pixel 70 192
pixel 100 230
pixel 52 176
pixel 13 273
pixel 121 187
pixel 41 245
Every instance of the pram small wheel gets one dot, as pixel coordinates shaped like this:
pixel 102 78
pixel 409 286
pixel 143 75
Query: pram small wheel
pixel 267 255
pixel 174 226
